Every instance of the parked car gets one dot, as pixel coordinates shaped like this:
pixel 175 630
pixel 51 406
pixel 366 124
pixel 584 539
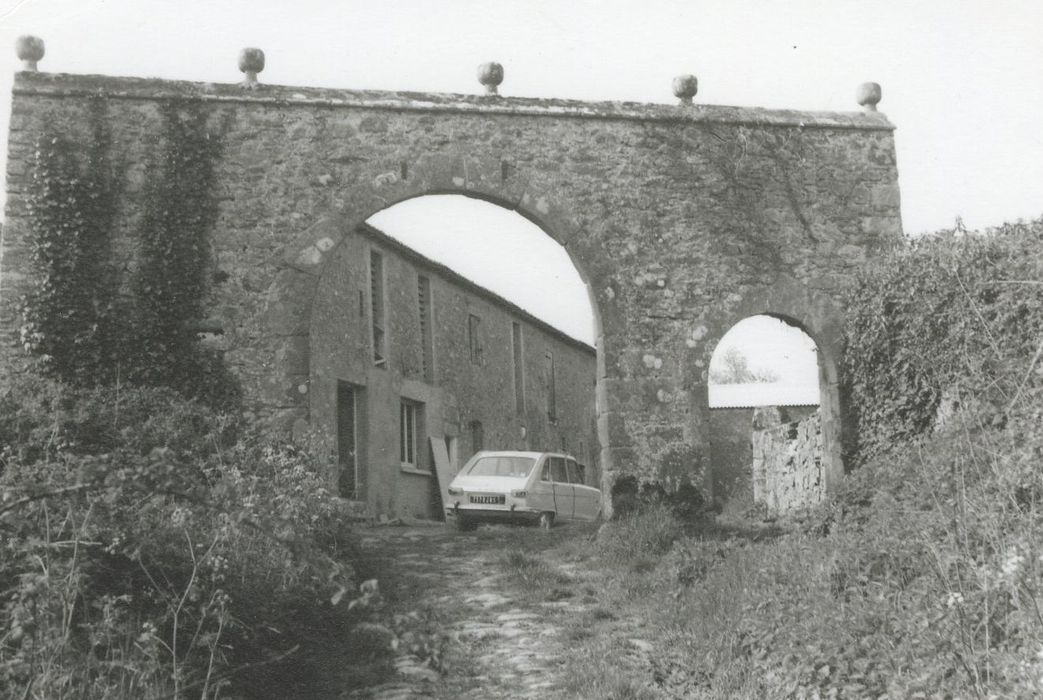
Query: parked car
pixel 522 487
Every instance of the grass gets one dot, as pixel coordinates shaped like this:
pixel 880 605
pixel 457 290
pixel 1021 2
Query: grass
pixel 748 612
pixel 534 577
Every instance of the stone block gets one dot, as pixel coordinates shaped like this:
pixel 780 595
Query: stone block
pixel 292 354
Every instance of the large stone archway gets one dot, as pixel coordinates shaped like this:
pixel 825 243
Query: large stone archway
pixel 675 215
pixel 290 314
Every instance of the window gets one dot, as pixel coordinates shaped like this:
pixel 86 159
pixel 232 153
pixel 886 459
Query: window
pixel 519 368
pixel 548 381
pixel 376 303
pixel 557 468
pixel 474 338
pixel 347 440
pixel 423 294
pixel 499 465
pixel 575 475
pixel 410 434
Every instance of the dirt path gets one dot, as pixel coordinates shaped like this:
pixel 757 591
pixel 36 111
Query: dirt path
pixel 506 639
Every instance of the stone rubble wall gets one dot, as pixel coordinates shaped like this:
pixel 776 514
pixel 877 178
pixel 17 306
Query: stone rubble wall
pixel 683 220
pixel 787 461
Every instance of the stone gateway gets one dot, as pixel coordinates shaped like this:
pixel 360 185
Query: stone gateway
pixel 682 220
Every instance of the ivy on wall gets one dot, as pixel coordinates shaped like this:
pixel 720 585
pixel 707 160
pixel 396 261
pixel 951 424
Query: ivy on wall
pixel 170 284
pixel 85 322
pixel 70 309
pixel 956 317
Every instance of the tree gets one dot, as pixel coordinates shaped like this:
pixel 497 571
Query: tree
pixel 736 369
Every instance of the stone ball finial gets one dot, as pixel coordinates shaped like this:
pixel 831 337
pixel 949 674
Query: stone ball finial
pixel 868 96
pixel 30 49
pixel 251 62
pixel 490 75
pixel 685 88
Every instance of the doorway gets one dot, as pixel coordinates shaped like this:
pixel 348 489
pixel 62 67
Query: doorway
pixel 348 482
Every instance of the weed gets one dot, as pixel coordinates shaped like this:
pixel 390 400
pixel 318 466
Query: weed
pixel 638 538
pixel 535 577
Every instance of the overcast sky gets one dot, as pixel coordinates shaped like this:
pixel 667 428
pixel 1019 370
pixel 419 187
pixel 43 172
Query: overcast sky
pixel 960 77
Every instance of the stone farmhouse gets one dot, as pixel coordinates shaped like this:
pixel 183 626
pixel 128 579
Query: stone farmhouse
pixel 418 364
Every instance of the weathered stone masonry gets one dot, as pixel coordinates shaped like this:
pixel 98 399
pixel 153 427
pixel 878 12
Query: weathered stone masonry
pixel 682 220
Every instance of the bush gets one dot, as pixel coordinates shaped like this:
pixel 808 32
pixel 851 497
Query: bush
pixel 923 576
pixel 630 496
pixel 955 315
pixel 153 548
pixel 936 579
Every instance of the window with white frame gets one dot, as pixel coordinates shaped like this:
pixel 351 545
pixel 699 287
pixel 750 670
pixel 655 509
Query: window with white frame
pixel 410 434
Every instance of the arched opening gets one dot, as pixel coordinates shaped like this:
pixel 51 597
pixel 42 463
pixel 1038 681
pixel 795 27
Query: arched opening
pixel 498 249
pixel 765 394
pixel 466 327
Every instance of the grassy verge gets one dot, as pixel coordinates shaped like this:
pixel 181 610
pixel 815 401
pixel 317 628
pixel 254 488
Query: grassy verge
pixel 924 578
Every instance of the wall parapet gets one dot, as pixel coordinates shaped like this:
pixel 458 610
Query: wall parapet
pixel 127 88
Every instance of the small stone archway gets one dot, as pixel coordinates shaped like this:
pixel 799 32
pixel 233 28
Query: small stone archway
pixel 816 315
pixel 303 263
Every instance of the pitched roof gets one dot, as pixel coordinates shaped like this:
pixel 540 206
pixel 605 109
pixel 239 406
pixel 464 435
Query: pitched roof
pixel 750 395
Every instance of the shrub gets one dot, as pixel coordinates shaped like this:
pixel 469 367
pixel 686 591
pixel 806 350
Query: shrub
pixel 936 570
pixel 152 548
pixel 955 314
pixel 630 496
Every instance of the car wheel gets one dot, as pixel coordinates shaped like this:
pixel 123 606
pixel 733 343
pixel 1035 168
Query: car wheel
pixel 546 521
pixel 465 524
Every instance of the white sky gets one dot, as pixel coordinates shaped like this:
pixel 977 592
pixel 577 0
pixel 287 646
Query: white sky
pixel 960 77
pixel 507 253
pixel 770 344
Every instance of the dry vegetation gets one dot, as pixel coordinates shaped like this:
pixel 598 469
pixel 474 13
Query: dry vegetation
pixel 152 547
pixel 924 576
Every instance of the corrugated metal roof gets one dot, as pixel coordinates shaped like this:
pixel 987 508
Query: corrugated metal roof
pixel 750 395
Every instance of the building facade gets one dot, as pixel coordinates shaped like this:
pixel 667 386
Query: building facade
pixel 413 357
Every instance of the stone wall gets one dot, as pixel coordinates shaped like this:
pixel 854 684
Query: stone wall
pixel 788 471
pixel 731 455
pixel 681 219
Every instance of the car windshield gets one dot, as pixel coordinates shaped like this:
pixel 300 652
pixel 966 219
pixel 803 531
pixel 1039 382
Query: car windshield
pixel 502 466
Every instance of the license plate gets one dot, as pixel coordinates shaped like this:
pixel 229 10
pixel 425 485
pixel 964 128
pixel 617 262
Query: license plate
pixel 487 499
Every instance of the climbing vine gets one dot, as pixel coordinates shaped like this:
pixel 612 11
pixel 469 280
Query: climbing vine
pixel 70 309
pixel 170 285
pixel 84 321
pixel 955 317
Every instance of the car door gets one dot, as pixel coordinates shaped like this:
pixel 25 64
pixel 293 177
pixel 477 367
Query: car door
pixel 564 499
pixel 585 507
pixel 541 496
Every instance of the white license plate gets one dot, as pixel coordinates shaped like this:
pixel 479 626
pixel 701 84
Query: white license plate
pixel 487 499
